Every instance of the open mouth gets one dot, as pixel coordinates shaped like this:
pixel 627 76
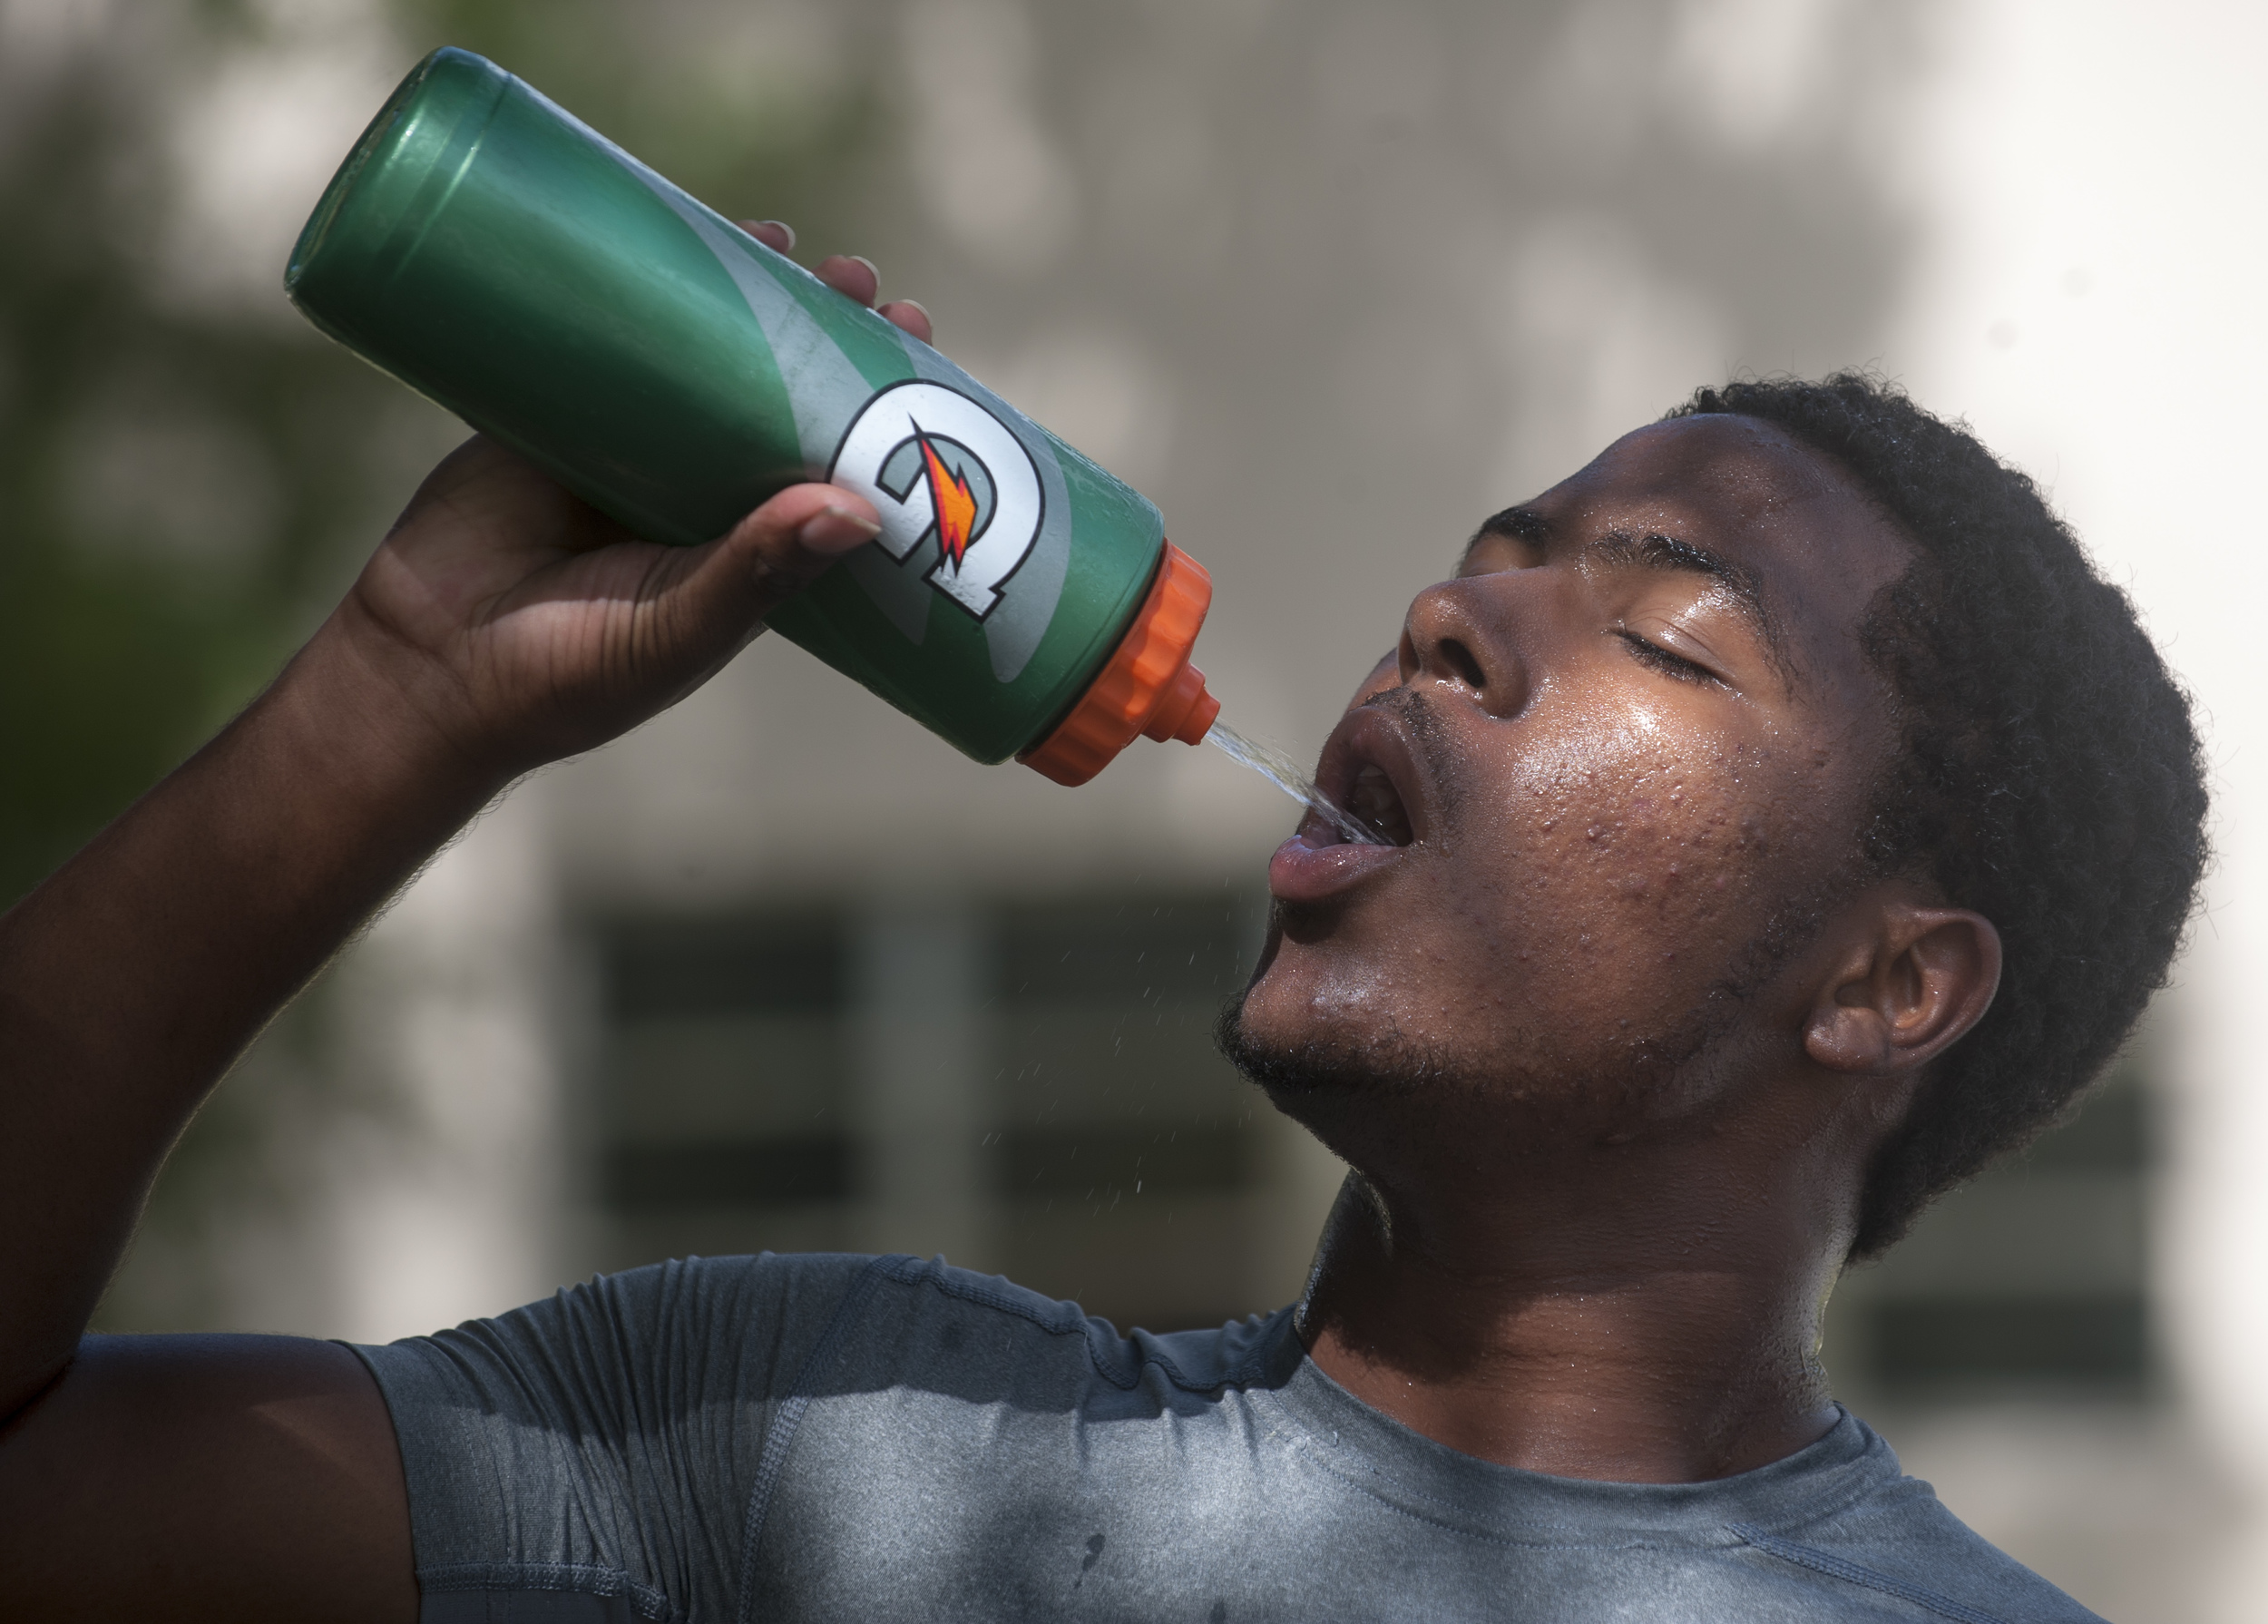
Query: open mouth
pixel 1363 815
pixel 1365 775
pixel 1368 809
pixel 1374 802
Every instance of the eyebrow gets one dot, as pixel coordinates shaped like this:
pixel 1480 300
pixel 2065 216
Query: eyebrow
pixel 1656 551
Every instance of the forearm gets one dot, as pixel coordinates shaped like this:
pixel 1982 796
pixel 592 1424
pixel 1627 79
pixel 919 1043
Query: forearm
pixel 133 977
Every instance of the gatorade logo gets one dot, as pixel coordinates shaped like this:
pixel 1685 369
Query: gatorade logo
pixel 943 472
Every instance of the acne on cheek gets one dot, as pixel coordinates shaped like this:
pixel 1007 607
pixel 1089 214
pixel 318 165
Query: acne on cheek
pixel 1669 850
pixel 1637 857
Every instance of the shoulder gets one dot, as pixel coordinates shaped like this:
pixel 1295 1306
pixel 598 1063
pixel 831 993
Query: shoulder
pixel 927 1322
pixel 770 1325
pixel 752 1316
pixel 1899 1539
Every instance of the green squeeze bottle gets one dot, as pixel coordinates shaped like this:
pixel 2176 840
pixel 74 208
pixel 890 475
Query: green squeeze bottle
pixel 504 260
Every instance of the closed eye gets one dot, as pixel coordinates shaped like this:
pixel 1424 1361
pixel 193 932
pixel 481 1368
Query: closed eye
pixel 1647 653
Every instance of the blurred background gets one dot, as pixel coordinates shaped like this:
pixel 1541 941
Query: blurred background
pixel 1330 281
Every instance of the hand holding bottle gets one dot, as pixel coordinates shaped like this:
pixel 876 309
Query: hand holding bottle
pixel 504 623
pixel 503 258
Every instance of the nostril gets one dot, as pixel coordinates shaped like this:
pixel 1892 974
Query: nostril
pixel 1459 659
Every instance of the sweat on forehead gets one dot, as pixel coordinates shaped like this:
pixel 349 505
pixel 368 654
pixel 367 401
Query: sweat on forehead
pixel 1733 469
pixel 1784 530
pixel 1742 463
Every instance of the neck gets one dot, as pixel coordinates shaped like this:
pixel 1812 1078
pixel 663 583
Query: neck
pixel 1621 1321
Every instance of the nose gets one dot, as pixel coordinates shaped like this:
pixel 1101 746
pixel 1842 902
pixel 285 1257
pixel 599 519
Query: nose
pixel 1454 635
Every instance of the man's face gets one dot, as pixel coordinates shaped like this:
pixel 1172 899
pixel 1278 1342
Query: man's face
pixel 1624 757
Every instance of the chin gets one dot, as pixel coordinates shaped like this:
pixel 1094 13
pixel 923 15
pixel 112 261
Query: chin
pixel 1400 1107
pixel 1274 1033
pixel 1317 993
pixel 1298 1050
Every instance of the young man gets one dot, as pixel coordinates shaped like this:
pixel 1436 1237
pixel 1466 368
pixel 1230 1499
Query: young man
pixel 1785 820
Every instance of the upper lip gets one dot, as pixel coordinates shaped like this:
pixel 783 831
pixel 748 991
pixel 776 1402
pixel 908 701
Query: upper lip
pixel 1368 736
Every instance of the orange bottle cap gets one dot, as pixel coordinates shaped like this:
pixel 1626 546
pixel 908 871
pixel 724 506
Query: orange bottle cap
pixel 1147 686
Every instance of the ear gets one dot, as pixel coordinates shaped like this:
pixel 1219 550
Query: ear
pixel 1904 993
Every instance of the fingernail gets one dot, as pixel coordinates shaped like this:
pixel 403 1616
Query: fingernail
pixel 786 230
pixel 835 530
pixel 918 306
pixel 869 264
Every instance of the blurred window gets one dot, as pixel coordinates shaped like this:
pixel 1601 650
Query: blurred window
pixel 2032 1278
pixel 724 1066
pixel 1129 1156
pixel 1117 1159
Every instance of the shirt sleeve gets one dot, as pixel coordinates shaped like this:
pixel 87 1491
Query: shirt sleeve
pixel 589 1459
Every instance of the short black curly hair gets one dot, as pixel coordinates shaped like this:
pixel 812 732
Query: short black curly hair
pixel 2047 774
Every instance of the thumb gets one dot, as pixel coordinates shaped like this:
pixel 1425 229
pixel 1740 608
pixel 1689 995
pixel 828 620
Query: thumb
pixel 787 544
pixel 721 593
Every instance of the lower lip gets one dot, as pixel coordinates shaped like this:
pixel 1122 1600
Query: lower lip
pixel 1303 872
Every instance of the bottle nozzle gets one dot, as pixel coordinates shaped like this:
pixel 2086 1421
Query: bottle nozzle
pixel 1147 686
pixel 1186 711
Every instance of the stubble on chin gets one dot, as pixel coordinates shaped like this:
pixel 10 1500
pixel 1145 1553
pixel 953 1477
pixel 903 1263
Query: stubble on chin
pixel 1349 1093
pixel 1391 1105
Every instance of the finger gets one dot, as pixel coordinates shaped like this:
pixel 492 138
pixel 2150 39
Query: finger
pixel 910 314
pixel 851 275
pixel 784 545
pixel 775 234
pixel 713 599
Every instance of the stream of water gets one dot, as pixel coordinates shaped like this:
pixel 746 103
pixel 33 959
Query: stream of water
pixel 1282 771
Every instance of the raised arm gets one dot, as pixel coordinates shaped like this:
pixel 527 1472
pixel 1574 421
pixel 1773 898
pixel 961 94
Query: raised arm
pixel 501 625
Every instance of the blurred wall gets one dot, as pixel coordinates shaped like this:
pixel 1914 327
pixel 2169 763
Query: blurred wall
pixel 2087 299
pixel 1331 282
